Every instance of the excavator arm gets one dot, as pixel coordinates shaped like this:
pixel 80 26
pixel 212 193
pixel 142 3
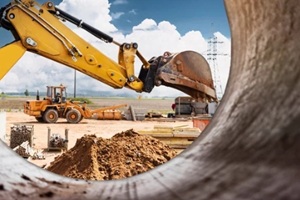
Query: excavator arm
pixel 40 29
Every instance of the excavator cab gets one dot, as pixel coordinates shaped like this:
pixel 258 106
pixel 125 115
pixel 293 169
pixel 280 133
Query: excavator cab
pixel 40 29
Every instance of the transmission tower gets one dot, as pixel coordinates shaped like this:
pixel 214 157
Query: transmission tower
pixel 212 56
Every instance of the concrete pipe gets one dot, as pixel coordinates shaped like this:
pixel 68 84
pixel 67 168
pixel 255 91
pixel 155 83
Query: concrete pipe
pixel 250 150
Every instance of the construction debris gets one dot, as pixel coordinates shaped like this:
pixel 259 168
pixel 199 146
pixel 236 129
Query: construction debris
pixel 21 133
pixel 154 115
pixel 178 137
pixel 56 141
pixel 125 154
pixel 24 150
pixel 135 114
pixel 201 121
pixel 38 156
pixel 21 141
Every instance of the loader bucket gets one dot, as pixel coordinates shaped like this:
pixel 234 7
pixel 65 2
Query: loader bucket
pixel 186 71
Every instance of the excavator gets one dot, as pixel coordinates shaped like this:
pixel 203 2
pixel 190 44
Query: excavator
pixel 41 29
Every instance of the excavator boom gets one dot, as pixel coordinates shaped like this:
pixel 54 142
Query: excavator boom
pixel 40 29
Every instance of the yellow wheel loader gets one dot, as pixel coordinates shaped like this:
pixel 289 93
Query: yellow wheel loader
pixel 55 105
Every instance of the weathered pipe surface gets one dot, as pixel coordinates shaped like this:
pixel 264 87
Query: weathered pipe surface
pixel 250 150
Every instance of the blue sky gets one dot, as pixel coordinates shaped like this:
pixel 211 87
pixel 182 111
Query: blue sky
pixel 206 16
pixel 157 27
pixel 202 15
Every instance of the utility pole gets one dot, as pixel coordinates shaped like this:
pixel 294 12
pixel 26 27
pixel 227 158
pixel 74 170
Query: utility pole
pixel 212 56
pixel 74 83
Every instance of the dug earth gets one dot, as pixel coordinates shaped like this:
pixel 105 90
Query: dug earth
pixel 125 154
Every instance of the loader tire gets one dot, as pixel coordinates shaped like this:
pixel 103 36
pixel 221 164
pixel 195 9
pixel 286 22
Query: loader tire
pixel 39 119
pixel 73 116
pixel 50 116
pixel 81 118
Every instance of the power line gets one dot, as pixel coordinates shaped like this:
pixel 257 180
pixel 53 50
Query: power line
pixel 212 56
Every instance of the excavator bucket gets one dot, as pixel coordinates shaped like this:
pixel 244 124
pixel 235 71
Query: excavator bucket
pixel 186 71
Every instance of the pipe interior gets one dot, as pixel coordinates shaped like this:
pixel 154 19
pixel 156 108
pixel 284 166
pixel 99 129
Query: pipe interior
pixel 251 148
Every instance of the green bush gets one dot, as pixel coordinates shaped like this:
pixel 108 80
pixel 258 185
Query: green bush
pixel 81 99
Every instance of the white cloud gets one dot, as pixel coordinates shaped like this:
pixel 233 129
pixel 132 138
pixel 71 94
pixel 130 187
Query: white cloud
pixel 34 72
pixel 133 12
pixel 93 12
pixel 119 2
pixel 146 25
pixel 117 15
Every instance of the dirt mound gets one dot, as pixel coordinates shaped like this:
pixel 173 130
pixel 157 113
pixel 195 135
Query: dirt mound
pixel 124 155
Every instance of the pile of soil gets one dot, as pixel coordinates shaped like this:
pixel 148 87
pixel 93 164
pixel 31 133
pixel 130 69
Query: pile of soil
pixel 124 155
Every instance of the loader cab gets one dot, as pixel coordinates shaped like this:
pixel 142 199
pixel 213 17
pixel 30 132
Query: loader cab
pixel 57 94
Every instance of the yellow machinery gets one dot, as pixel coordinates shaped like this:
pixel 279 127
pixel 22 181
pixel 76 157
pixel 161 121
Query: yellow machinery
pixel 40 29
pixel 55 105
